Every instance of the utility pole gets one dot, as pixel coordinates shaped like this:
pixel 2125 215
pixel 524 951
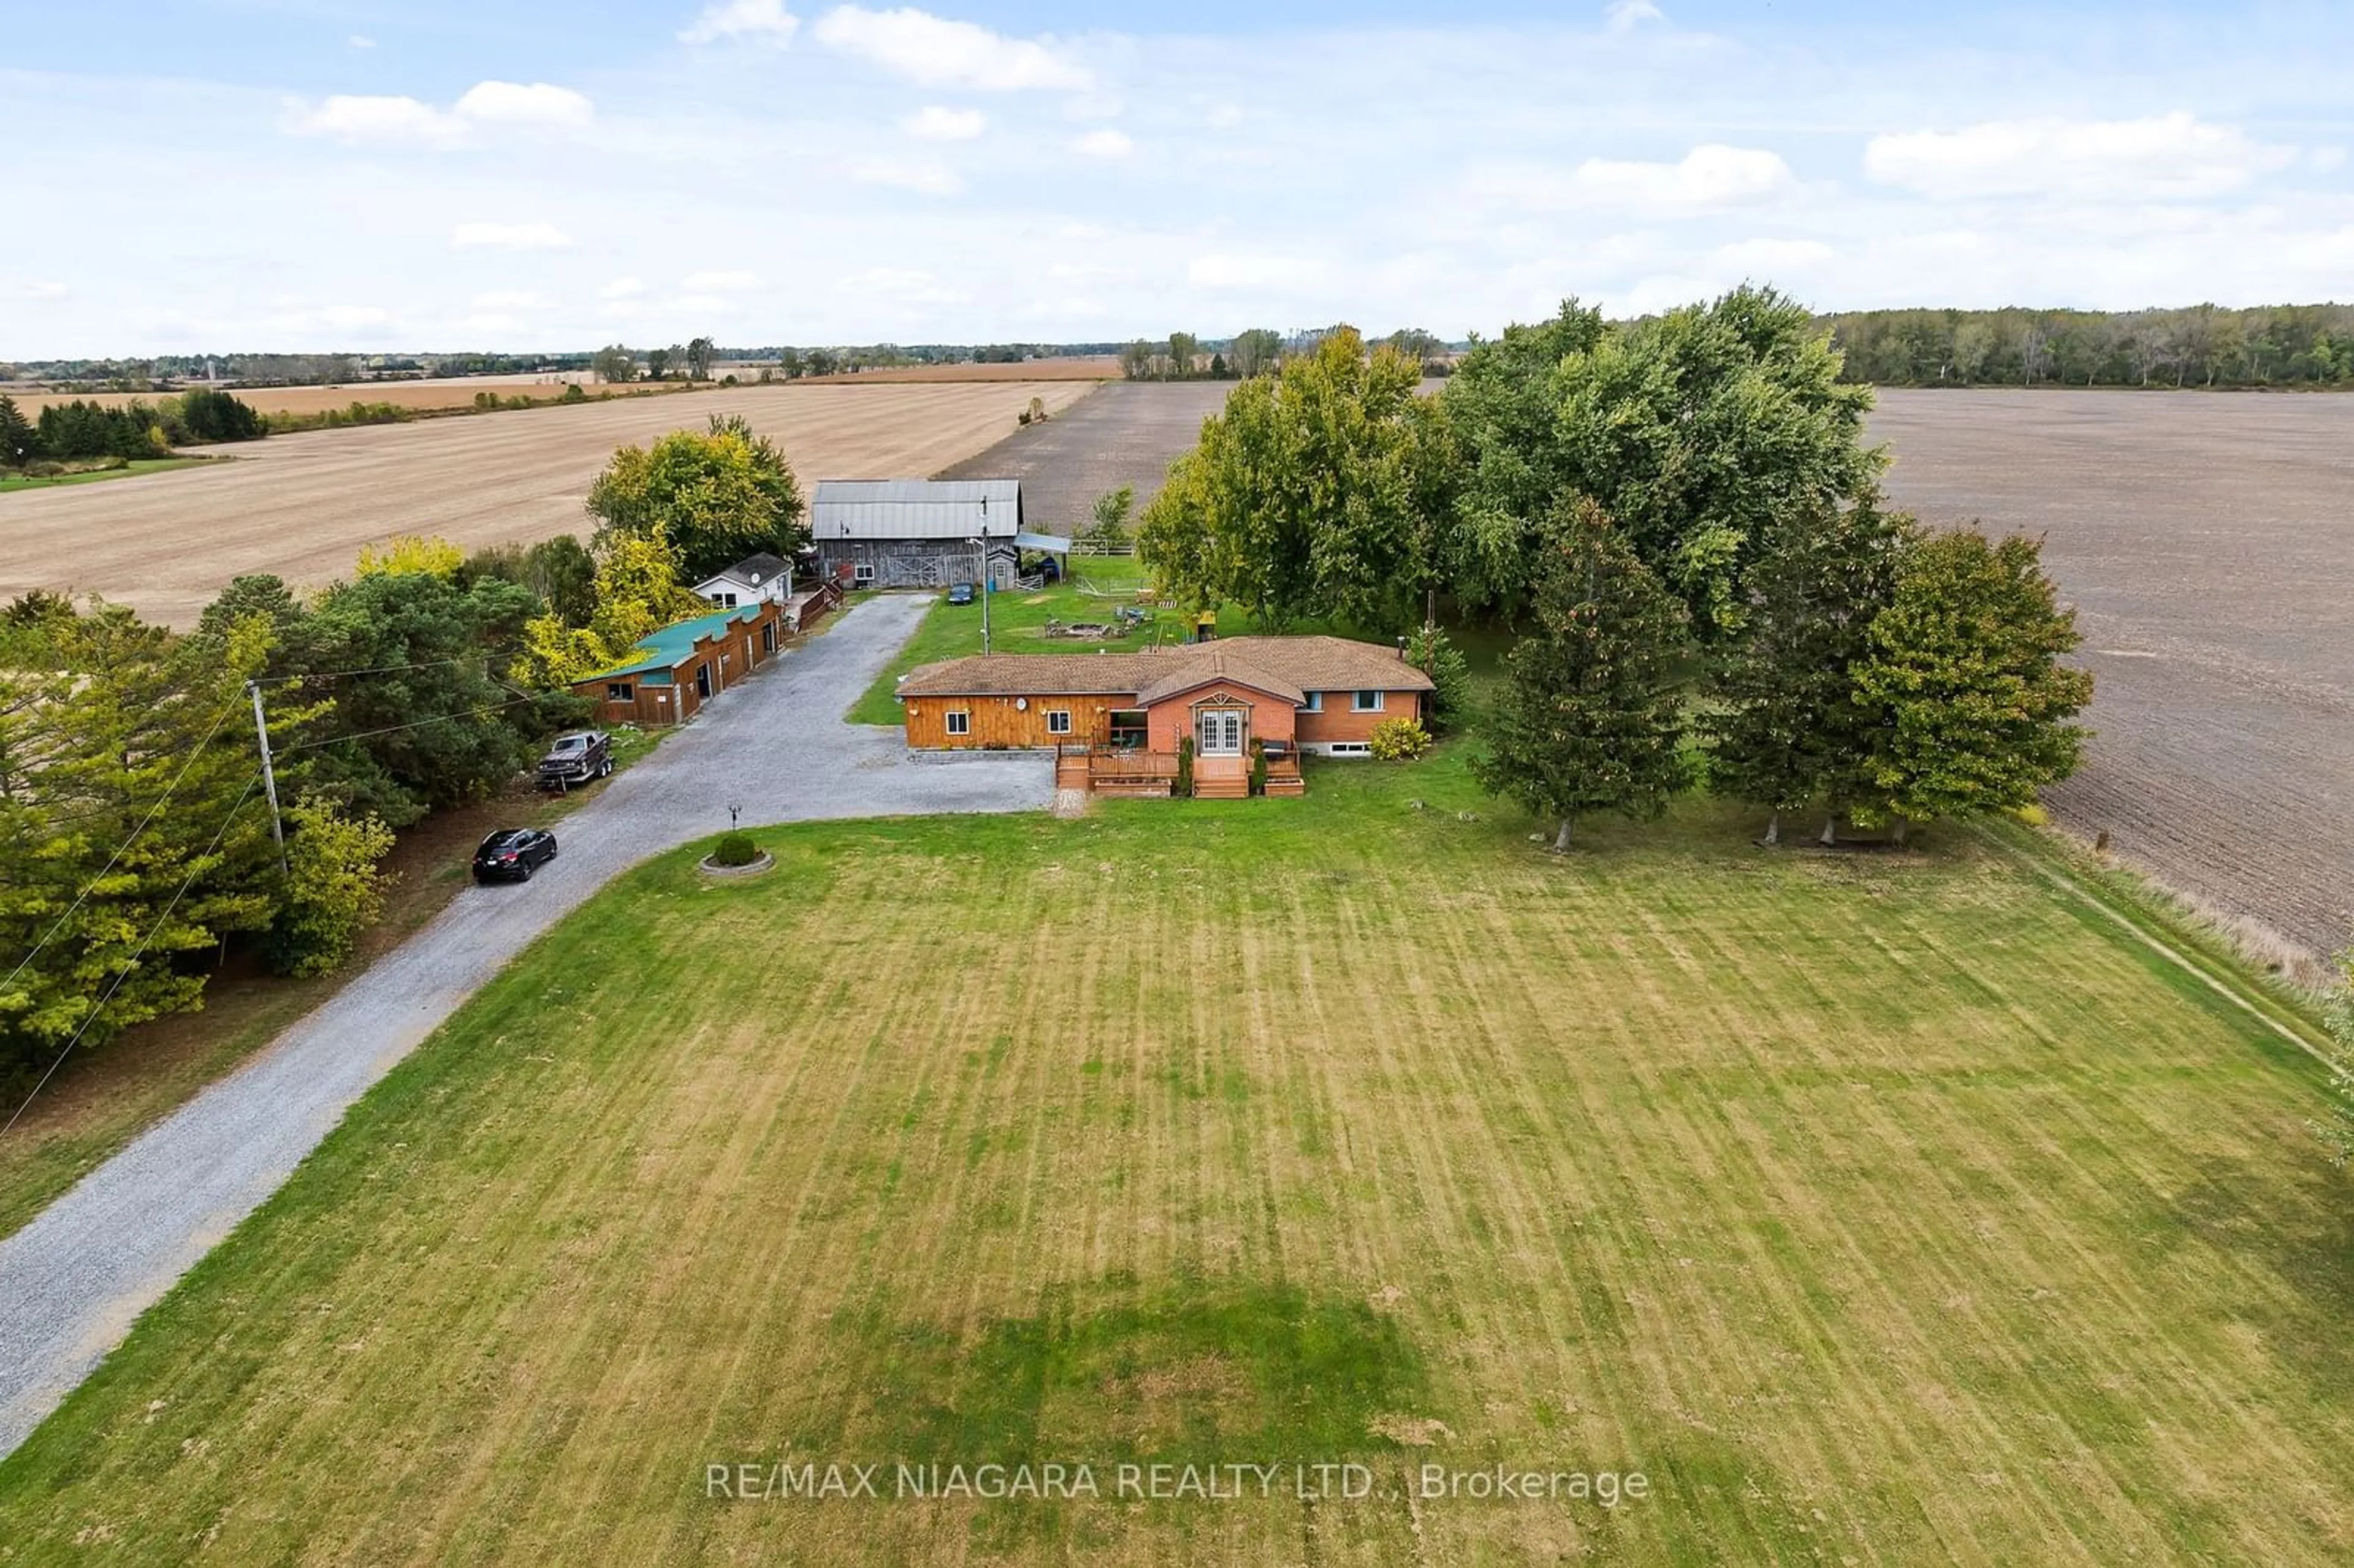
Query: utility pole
pixel 268 776
pixel 988 577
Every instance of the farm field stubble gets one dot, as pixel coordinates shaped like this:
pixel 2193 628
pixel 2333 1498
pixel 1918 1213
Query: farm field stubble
pixel 2207 542
pixel 430 392
pixel 1886 1210
pixel 301 505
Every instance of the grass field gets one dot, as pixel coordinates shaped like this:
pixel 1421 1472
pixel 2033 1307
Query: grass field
pixel 1875 1210
pixel 11 481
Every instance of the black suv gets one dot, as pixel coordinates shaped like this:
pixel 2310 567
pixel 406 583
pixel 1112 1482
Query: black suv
pixel 509 855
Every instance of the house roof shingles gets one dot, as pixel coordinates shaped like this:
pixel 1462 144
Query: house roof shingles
pixel 1288 667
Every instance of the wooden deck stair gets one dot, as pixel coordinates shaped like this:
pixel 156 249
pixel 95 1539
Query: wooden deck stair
pixel 1221 779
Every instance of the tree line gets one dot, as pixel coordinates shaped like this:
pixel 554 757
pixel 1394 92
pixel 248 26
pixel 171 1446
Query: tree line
pixel 1181 356
pixel 1679 520
pixel 82 430
pixel 2200 345
pixel 136 853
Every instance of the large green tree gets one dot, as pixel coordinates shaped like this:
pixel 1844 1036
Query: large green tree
pixel 1702 430
pixel 132 836
pixel 1304 497
pixel 718 495
pixel 1511 473
pixel 422 721
pixel 1787 727
pixel 20 439
pixel 1590 719
pixel 1971 707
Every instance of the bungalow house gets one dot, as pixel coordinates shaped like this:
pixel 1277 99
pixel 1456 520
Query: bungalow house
pixel 1116 720
pixel 669 676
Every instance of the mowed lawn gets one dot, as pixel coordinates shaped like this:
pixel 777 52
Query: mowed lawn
pixel 1874 1209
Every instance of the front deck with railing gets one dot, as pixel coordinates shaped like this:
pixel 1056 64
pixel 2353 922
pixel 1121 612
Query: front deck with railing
pixel 1131 770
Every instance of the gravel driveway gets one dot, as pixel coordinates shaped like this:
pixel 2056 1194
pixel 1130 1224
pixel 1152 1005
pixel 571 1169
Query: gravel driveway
pixel 74 1280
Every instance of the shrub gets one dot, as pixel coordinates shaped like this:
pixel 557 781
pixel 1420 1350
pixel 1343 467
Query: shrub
pixel 1432 651
pixel 736 849
pixel 1259 767
pixel 1399 739
pixel 336 892
pixel 1185 765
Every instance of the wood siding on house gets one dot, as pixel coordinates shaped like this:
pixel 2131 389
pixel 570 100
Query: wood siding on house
pixel 996 721
pixel 723 658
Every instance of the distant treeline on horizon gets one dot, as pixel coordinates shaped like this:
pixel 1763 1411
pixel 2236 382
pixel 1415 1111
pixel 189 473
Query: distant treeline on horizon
pixel 2197 345
pixel 2201 345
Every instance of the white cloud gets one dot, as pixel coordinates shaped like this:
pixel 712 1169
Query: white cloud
pixel 38 289
pixel 923 179
pixel 1228 271
pixel 1623 16
pixel 933 123
pixel 509 237
pixel 513 103
pixel 2166 155
pixel 360 41
pixel 937 52
pixel 349 117
pixel 358 118
pixel 720 282
pixel 621 289
pixel 1104 144
pixel 762 21
pixel 1706 179
pixel 509 300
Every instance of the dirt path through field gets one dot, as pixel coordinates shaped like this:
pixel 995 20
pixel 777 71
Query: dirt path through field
pixel 302 505
pixel 2208 545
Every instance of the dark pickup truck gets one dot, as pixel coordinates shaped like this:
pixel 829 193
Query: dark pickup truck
pixel 575 760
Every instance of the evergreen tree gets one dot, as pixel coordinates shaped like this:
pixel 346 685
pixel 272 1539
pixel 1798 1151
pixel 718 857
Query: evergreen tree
pixel 131 830
pixel 1790 730
pixel 1590 719
pixel 1963 681
pixel 20 441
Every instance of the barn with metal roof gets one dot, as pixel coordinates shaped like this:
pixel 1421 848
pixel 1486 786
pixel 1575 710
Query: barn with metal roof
pixel 920 532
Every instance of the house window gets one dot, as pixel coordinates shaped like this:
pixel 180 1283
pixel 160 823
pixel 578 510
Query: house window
pixel 1314 705
pixel 959 721
pixel 1128 728
pixel 619 691
pixel 1058 721
pixel 1365 703
pixel 724 601
pixel 864 572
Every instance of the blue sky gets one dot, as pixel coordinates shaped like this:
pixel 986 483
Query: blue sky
pixel 370 175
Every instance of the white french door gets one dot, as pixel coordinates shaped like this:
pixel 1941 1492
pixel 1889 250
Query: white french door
pixel 1219 732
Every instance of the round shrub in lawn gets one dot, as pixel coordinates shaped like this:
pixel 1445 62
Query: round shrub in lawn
pixel 736 849
pixel 1397 740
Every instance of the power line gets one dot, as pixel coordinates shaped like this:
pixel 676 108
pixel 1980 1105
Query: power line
pixel 388 669
pixel 413 724
pixel 124 973
pixel 80 898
